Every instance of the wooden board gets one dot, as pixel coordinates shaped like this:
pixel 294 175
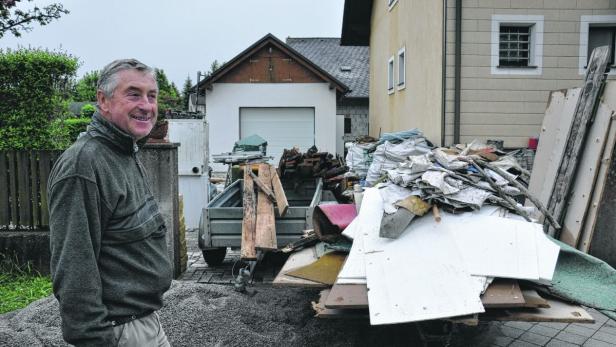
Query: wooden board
pixel 503 293
pixel 559 311
pixel 324 270
pixel 586 175
pixel 34 189
pixel 45 162
pixel 4 193
pixel 609 98
pixel 554 131
pixel 281 198
pixel 23 187
pixel 532 299
pixel 347 296
pixel 296 260
pixel 249 221
pixel 265 236
pixel 13 186
pixel 577 135
pixel 324 312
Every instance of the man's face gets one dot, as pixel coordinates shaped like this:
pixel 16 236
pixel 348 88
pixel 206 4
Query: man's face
pixel 132 107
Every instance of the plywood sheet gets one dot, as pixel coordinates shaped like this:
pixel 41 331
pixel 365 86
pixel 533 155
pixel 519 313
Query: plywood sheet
pixel 554 133
pixel 586 175
pixel 559 311
pixel 348 296
pixel 323 312
pixel 503 293
pixel 533 299
pixel 324 270
pixel 609 99
pixel 296 260
pixel 432 283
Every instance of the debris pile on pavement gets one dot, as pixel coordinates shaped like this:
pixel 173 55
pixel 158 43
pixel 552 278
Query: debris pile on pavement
pixel 442 233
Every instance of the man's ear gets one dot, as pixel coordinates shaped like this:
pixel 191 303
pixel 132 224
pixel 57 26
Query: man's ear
pixel 103 102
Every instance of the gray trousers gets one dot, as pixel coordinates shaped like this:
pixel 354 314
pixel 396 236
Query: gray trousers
pixel 145 331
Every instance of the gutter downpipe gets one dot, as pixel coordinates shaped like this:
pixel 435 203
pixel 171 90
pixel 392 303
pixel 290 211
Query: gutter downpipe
pixel 458 68
pixel 444 75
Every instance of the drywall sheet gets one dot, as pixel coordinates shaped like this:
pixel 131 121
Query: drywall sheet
pixel 586 174
pixel 495 246
pixel 552 140
pixel 368 221
pixel 419 276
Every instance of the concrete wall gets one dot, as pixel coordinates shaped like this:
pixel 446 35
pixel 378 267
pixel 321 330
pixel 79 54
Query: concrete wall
pixel 161 164
pixel 225 99
pixel 510 106
pixel 417 26
pixel 357 109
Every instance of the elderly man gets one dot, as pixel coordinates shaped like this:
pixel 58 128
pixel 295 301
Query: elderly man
pixel 109 260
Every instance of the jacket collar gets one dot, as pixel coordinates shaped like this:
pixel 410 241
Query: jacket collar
pixel 101 127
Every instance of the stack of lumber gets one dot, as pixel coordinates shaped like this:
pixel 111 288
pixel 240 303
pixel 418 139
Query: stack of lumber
pixel 312 164
pixel 260 193
pixel 573 165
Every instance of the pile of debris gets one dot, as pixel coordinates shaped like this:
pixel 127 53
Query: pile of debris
pixel 480 253
pixel 314 164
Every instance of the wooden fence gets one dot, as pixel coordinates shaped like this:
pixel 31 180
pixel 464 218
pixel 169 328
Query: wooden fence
pixel 23 189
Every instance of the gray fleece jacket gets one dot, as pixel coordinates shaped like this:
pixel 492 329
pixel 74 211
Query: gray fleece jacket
pixel 108 249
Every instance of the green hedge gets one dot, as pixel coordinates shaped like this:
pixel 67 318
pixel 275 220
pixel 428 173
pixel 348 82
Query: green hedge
pixel 35 89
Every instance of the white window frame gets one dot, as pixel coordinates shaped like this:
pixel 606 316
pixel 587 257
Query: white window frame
pixel 585 23
pixel 391 4
pixel 536 44
pixel 391 75
pixel 402 65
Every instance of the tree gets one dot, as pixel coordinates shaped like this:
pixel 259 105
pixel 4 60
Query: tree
pixel 15 21
pixel 186 93
pixel 85 89
pixel 168 94
pixel 34 92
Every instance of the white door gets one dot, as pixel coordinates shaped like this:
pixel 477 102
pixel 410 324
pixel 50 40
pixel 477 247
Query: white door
pixel 281 127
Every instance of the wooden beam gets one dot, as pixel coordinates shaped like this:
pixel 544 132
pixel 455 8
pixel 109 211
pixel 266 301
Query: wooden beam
pixel 263 186
pixel 281 198
pixel 249 223
pixel 584 114
pixel 266 221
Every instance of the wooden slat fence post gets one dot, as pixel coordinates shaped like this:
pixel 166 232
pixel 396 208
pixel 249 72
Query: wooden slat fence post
pixel 4 192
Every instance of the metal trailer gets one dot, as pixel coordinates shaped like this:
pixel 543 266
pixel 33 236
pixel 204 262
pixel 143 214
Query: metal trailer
pixel 221 220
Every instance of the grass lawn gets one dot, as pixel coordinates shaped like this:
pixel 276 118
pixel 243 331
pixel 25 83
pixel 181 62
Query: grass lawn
pixel 19 286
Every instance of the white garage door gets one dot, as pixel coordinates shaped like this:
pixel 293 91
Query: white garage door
pixel 281 127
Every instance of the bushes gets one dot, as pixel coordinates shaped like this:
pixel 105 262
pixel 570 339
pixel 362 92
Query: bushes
pixel 34 90
pixel 88 110
pixel 65 131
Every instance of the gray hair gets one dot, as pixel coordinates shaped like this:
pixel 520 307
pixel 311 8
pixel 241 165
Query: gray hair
pixel 108 79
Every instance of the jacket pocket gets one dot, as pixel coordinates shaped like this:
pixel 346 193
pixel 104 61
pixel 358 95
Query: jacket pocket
pixel 154 227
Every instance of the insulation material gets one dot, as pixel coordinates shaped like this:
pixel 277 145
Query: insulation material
pixel 388 156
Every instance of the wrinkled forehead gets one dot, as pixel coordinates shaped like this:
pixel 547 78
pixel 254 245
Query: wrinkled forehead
pixel 137 80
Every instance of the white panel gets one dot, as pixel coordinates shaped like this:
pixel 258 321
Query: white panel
pixel 281 127
pixel 190 133
pixel 418 276
pixel 194 189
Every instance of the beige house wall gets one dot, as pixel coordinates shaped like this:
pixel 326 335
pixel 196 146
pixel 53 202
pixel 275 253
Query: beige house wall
pixel 511 107
pixel 418 26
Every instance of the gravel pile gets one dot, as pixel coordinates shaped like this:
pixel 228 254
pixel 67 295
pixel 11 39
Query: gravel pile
pixel 215 315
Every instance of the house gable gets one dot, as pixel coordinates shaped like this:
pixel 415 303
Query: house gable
pixel 270 64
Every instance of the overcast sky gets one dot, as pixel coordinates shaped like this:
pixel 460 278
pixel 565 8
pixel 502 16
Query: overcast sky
pixel 181 36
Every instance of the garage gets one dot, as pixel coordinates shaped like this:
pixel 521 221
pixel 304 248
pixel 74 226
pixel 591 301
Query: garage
pixel 282 127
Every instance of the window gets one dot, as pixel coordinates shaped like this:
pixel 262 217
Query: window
pixel 514 46
pixel 517 45
pixel 347 125
pixel 401 69
pixel 390 75
pixel 601 36
pixel 596 31
pixel 391 3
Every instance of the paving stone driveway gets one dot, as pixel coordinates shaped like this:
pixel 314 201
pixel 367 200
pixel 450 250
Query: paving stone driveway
pixel 511 334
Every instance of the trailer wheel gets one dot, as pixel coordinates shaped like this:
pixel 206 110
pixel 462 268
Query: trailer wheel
pixel 215 256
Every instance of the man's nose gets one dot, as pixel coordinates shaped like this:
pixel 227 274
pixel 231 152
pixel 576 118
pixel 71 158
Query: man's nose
pixel 146 104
